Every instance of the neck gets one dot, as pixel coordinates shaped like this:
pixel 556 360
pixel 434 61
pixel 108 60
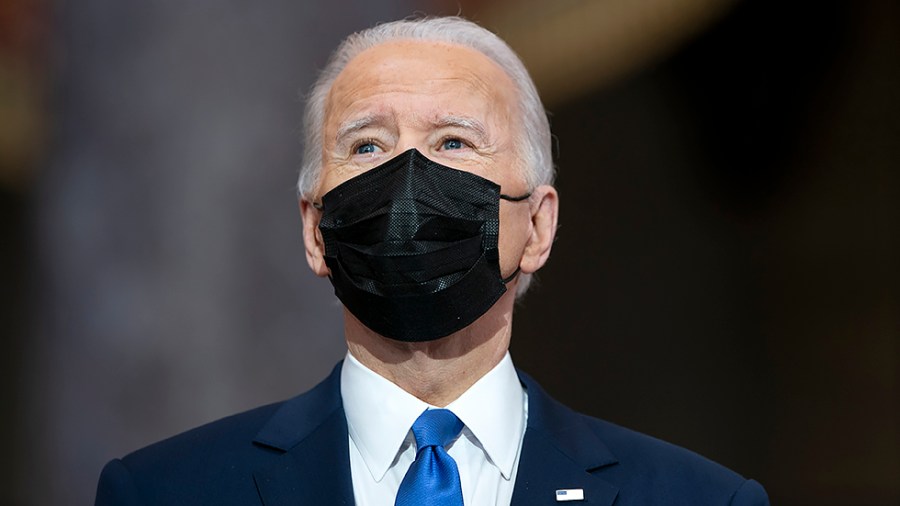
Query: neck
pixel 438 371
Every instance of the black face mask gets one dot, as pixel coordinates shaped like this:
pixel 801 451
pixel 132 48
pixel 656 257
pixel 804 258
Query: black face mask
pixel 412 247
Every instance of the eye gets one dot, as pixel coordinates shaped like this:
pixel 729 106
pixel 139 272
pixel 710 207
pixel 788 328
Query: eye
pixel 452 143
pixel 365 148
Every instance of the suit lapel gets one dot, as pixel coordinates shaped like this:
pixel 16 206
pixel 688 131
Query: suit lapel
pixel 310 432
pixel 559 452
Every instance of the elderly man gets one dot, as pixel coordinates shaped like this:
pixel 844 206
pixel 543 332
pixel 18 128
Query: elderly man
pixel 426 200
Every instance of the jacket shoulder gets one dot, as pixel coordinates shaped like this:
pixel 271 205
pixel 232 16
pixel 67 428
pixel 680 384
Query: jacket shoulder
pixel 211 464
pixel 644 469
pixel 215 463
pixel 672 474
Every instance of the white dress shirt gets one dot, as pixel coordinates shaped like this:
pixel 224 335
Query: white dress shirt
pixel 380 415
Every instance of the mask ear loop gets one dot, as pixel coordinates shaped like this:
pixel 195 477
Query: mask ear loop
pixel 317 205
pixel 511 276
pixel 513 199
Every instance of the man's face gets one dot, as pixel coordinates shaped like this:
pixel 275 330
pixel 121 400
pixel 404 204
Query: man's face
pixel 452 103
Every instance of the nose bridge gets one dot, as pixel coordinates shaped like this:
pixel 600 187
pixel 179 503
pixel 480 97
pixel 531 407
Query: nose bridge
pixel 404 146
pixel 411 136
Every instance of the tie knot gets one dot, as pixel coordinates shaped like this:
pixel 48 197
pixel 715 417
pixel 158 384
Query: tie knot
pixel 436 427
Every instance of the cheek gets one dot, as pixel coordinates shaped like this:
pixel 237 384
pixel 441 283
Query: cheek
pixel 514 230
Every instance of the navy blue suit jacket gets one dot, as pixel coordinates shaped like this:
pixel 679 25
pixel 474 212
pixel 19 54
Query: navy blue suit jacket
pixel 297 453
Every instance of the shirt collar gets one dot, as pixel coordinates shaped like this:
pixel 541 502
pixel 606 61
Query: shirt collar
pixel 494 410
pixel 380 414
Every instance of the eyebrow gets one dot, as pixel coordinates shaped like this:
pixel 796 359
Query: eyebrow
pixel 464 122
pixel 359 124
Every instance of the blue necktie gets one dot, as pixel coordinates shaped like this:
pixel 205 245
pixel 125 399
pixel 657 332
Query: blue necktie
pixel 433 478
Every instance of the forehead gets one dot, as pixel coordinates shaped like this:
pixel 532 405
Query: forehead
pixel 446 75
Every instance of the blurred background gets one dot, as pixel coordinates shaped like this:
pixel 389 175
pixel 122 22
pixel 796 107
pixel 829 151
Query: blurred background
pixel 726 274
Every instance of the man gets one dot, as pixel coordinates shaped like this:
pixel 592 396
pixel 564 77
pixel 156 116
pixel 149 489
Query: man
pixel 426 199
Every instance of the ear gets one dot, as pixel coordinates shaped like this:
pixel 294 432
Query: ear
pixel 312 238
pixel 544 211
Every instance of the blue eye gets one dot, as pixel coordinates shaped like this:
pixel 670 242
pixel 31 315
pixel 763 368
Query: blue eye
pixel 364 149
pixel 452 144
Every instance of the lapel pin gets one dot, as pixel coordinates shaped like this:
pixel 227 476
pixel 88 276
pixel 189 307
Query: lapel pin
pixel 570 494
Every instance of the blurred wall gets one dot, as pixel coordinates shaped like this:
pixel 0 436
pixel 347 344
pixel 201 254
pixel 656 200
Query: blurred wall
pixel 725 274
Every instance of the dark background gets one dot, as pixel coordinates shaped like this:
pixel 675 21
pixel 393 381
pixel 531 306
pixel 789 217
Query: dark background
pixel 726 271
pixel 725 275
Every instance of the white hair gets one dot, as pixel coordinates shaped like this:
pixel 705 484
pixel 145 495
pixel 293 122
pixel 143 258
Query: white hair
pixel 533 143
